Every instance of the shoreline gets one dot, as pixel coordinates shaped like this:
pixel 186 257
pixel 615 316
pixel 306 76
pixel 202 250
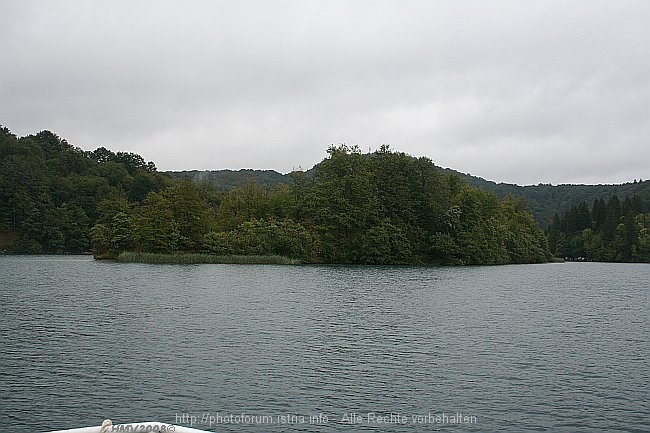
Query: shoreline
pixel 200 258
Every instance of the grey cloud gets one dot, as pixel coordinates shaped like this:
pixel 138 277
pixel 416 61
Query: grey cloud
pixel 528 92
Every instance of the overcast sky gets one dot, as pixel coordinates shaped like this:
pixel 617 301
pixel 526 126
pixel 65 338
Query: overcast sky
pixel 512 91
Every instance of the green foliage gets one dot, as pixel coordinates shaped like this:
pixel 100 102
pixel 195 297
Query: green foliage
pixel 525 243
pixel 100 236
pixel 545 200
pixel 51 192
pixel 243 203
pixel 190 211
pixel 262 237
pixel 389 207
pixel 155 228
pixel 342 204
pixel 196 258
pixel 380 208
pixel 608 231
pixel 385 243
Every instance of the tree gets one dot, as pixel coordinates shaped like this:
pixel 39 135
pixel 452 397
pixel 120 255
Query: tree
pixel 263 237
pixel 189 210
pixel 342 203
pixel 122 235
pixel 599 213
pixel 101 238
pixel 384 244
pixel 617 233
pixel 381 207
pixel 155 229
pixel 52 193
pixel 525 243
pixel 240 204
pixel 75 228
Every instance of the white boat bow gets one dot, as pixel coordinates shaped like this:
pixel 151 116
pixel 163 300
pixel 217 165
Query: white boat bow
pixel 136 427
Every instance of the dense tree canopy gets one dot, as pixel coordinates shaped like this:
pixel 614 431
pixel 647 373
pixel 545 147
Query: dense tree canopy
pixel 380 208
pixel 542 200
pixel 52 194
pixel 545 200
pixel 608 231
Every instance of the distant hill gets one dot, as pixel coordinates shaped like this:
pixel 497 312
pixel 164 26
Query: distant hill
pixel 544 200
pixel 227 179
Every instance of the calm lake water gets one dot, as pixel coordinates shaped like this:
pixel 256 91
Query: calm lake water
pixel 555 347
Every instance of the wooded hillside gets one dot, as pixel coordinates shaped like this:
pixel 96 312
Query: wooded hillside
pixel 374 208
pixel 384 207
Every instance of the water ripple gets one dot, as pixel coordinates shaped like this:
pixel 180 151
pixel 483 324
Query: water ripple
pixel 521 348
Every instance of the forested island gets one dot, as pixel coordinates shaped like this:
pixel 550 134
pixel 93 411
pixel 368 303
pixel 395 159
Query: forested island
pixel 383 207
